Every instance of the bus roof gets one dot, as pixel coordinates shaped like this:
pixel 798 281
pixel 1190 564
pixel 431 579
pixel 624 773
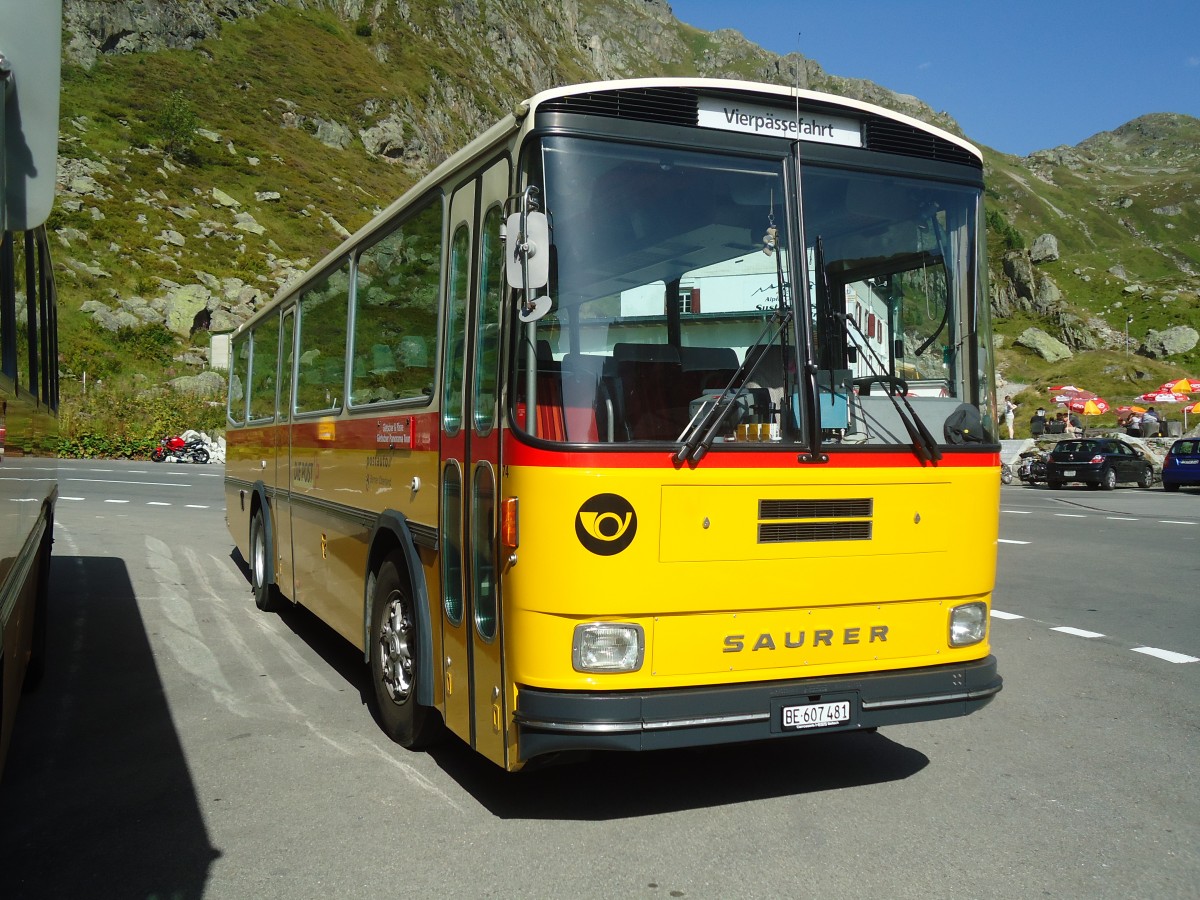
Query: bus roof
pixel 505 127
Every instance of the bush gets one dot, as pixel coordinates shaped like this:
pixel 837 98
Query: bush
pixel 151 343
pixel 114 421
pixel 177 124
pixel 1010 238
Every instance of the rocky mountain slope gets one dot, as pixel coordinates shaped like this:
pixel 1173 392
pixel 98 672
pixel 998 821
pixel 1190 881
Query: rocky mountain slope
pixel 212 149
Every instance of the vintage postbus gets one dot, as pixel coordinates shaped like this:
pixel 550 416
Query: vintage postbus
pixel 556 441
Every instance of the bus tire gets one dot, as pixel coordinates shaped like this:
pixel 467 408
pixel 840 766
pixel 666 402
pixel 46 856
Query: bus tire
pixel 394 661
pixel 266 595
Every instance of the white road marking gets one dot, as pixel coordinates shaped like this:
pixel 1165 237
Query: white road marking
pixel 1018 512
pixel 194 506
pixel 997 614
pixel 1120 519
pixel 1173 522
pixel 119 481
pixel 116 501
pixel 1168 655
pixel 156 503
pixel 1078 632
pixel 1071 515
pixel 1008 541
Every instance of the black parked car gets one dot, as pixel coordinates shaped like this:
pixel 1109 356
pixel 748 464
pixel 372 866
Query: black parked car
pixel 1097 462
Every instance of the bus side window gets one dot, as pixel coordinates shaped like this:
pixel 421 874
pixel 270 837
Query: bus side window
pixel 264 363
pixel 323 310
pixel 396 292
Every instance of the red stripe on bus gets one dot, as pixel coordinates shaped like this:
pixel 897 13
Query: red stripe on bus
pixel 520 454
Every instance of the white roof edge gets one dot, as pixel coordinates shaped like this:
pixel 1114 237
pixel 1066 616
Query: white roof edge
pixel 778 90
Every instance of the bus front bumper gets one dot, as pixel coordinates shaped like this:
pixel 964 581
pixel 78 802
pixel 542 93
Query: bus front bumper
pixel 555 721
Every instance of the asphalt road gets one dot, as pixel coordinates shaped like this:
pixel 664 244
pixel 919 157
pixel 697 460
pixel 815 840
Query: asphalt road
pixel 185 745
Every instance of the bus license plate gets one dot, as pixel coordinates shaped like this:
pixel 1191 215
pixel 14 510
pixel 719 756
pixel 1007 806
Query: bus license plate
pixel 816 715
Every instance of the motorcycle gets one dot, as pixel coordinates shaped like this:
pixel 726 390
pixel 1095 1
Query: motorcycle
pixel 1032 467
pixel 177 449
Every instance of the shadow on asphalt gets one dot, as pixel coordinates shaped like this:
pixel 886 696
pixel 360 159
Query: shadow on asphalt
pixel 96 799
pixel 612 785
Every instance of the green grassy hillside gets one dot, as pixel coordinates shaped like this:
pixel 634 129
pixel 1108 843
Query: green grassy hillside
pixel 228 168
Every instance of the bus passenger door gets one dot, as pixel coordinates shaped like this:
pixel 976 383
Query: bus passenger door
pixel 488 696
pixel 284 567
pixel 456 617
pixel 471 620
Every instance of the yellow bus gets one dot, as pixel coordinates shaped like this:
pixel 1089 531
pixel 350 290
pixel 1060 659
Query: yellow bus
pixel 29 80
pixel 555 442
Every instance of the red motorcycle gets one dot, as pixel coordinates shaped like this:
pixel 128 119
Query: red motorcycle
pixel 179 450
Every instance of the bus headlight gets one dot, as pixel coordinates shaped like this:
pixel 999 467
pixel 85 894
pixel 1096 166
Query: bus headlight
pixel 608 647
pixel 968 624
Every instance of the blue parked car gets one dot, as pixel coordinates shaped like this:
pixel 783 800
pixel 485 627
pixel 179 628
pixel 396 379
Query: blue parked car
pixel 1182 465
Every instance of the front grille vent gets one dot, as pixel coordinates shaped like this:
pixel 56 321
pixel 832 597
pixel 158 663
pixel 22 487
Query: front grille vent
pixel 795 532
pixel 887 136
pixel 666 106
pixel 815 509
pixel 794 521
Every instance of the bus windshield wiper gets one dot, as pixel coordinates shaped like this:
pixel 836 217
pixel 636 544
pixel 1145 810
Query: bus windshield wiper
pixel 924 444
pixel 702 430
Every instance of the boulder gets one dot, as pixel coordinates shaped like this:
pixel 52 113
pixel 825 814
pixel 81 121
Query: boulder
pixel 1048 348
pixel 1044 249
pixel 1172 342
pixel 206 384
pixel 182 305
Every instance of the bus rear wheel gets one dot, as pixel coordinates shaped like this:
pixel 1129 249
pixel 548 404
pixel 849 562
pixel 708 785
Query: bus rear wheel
pixel 266 595
pixel 395 661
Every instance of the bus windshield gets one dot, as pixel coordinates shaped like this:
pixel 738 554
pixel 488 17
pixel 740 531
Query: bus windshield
pixel 889 263
pixel 668 268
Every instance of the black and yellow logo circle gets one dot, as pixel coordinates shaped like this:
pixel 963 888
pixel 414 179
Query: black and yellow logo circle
pixel 606 524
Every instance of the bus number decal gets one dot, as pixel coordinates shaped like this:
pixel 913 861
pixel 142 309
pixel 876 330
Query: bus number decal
pixel 606 524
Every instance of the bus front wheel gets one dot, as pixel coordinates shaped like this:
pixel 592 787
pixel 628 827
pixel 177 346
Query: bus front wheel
pixel 395 663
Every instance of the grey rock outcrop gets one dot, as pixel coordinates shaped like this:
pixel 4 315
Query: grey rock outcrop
pixel 1044 249
pixel 1171 342
pixel 1048 348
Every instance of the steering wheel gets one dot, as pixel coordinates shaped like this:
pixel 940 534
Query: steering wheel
pixel 864 384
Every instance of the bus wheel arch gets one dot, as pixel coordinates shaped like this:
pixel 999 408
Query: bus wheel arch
pixel 396 579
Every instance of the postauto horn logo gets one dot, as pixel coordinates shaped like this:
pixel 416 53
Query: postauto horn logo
pixel 606 524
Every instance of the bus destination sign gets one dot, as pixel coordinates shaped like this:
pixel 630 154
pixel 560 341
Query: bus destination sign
pixel 773 121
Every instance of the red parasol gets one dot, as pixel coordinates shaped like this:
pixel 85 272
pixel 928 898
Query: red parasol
pixel 1182 386
pixel 1088 406
pixel 1163 397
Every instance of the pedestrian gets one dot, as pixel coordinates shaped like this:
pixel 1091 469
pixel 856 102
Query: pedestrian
pixel 1010 414
pixel 1076 424
pixel 1149 423
pixel 1037 423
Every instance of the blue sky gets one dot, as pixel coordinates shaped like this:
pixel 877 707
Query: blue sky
pixel 1016 75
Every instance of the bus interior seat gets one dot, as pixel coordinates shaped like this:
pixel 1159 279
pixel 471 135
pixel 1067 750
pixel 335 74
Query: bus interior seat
pixel 649 392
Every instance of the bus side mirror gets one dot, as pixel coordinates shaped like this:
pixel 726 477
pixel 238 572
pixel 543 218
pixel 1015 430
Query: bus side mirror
pixel 527 252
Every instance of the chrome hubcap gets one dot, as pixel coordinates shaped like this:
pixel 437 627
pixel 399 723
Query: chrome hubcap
pixel 259 556
pixel 395 649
